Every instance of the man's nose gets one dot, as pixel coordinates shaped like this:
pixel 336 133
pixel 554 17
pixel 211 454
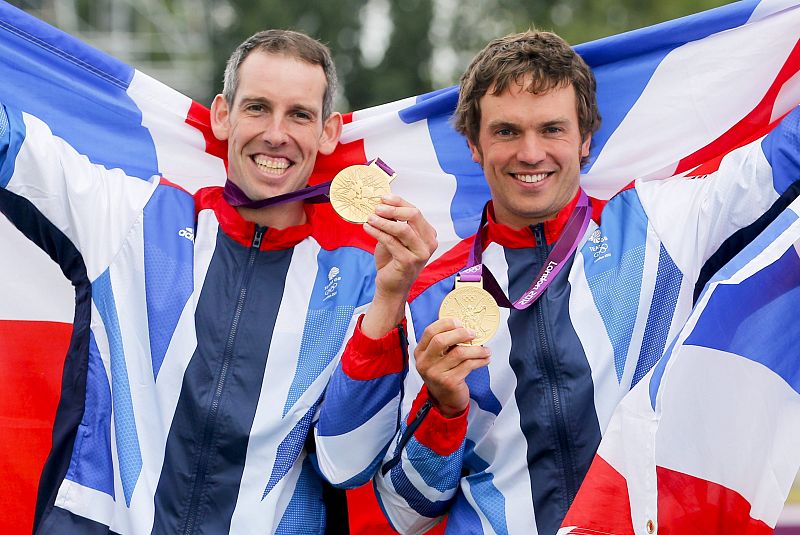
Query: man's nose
pixel 275 132
pixel 531 150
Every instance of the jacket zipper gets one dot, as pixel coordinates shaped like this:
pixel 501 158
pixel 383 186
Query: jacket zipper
pixel 407 434
pixel 211 419
pixel 567 459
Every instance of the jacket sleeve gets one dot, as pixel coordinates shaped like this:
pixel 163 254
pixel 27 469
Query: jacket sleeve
pixel 421 474
pixel 359 413
pixel 694 214
pixel 93 206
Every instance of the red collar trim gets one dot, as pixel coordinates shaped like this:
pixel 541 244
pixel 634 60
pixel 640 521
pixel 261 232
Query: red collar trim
pixel 456 258
pixel 519 239
pixel 242 231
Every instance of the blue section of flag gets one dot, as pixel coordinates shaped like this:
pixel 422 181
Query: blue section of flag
pixel 781 224
pixel 754 248
pixel 168 265
pixel 91 464
pixel 94 113
pixel 344 282
pixel 453 155
pixel 623 64
pixel 616 285
pixel 742 318
pixel 127 438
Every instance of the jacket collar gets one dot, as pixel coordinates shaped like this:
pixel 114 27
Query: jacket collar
pixel 524 237
pixel 242 231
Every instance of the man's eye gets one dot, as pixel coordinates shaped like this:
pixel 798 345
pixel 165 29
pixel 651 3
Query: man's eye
pixel 553 130
pixel 505 132
pixel 304 116
pixel 255 108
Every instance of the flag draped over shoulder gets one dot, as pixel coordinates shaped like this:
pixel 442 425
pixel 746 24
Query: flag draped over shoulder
pixel 675 98
pixel 708 442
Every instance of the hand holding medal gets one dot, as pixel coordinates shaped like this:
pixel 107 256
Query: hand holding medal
pixel 474 307
pixel 478 309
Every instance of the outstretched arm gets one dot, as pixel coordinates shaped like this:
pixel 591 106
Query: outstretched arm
pixel 92 206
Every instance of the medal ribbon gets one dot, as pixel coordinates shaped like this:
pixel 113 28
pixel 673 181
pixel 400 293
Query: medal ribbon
pixel 311 194
pixel 571 236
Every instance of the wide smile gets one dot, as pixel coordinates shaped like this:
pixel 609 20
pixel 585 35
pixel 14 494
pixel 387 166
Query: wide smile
pixel 531 178
pixel 271 165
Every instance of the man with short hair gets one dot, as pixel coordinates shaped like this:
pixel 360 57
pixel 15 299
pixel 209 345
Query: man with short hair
pixel 205 390
pixel 502 432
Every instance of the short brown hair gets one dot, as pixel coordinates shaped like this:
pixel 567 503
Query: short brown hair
pixel 294 44
pixel 543 55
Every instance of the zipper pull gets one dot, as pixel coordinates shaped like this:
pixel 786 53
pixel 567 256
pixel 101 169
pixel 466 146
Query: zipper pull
pixel 259 233
pixel 406 436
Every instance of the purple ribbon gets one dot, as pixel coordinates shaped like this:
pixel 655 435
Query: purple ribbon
pixel 234 195
pixel 571 236
pixel 313 194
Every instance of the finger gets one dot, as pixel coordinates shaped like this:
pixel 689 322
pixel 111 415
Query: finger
pixel 398 237
pixel 460 372
pixel 437 327
pixel 453 378
pixel 397 208
pixel 443 342
pixel 459 354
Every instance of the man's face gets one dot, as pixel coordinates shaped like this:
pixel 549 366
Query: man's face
pixel 274 127
pixel 530 148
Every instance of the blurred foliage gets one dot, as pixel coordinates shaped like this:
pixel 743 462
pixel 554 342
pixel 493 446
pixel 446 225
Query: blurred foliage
pixel 430 41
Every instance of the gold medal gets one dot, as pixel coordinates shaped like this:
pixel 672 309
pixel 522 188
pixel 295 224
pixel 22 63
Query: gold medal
pixel 475 308
pixel 357 190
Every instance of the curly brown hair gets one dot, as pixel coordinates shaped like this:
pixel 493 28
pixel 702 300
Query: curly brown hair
pixel 545 57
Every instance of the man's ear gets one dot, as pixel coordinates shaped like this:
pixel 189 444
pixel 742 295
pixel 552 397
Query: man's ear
pixel 475 150
pixel 331 131
pixel 219 118
pixel 586 145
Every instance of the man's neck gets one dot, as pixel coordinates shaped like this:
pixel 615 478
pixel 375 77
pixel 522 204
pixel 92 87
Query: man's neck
pixel 278 217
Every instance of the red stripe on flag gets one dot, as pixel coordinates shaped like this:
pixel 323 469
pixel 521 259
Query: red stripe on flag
pixel 31 365
pixel 754 125
pixel 688 505
pixel 200 117
pixel 345 154
pixel 602 504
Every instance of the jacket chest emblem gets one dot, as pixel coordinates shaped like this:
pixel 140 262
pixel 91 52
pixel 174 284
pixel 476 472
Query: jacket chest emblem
pixel 334 278
pixel 598 245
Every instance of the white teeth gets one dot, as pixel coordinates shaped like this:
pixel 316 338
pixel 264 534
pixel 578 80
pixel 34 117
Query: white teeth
pixel 268 164
pixel 530 179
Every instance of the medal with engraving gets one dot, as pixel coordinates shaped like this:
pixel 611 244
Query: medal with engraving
pixel 474 307
pixel 357 190
pixel 470 310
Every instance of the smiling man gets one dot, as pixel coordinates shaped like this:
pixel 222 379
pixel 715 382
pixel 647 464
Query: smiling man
pixel 206 390
pixel 501 435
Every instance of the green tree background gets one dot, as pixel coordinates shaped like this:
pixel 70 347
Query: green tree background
pixel 430 41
